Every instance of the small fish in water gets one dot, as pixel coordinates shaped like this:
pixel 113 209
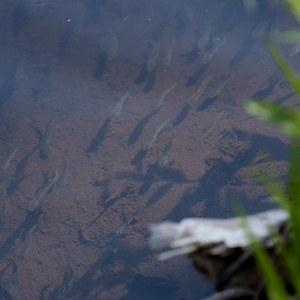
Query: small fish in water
pixel 4 164
pixel 45 139
pixel 152 140
pixel 112 45
pixel 218 43
pixel 119 106
pixel 63 176
pixel 42 192
pixel 153 56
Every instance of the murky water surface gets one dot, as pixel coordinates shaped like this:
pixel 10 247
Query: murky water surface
pixel 117 114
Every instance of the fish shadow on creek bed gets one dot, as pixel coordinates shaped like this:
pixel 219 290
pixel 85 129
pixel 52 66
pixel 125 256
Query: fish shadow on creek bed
pixel 155 173
pixel 223 174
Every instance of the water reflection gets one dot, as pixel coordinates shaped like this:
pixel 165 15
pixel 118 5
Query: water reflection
pixel 118 114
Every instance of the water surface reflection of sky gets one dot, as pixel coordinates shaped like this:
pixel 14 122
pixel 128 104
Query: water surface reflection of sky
pixel 117 114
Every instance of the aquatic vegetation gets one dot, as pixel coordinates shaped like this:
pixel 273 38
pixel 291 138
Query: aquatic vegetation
pixel 288 120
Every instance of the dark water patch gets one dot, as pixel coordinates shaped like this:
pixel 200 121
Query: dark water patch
pixel 30 220
pixel 61 290
pixel 192 56
pixel 7 88
pixel 156 173
pixel 19 175
pixel 65 40
pixel 284 98
pixel 20 19
pixel 230 17
pixel 243 51
pixel 196 76
pixel 137 160
pixel 159 194
pixel 207 103
pixel 139 128
pixel 182 115
pixel 151 81
pixel 267 90
pixel 99 138
pixel 149 288
pixel 159 28
pixel 143 74
pixel 222 173
pixel 92 282
pixel 106 201
pixel 5 294
pixel 45 139
pixel 101 63
pixel 92 11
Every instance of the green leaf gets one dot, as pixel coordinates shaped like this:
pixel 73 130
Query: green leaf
pixel 290 36
pixel 274 285
pixel 294 7
pixel 288 119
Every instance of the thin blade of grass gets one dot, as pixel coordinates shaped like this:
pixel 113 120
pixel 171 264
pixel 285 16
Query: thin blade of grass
pixel 294 195
pixel 289 36
pixel 294 7
pixel 275 287
pixel 288 119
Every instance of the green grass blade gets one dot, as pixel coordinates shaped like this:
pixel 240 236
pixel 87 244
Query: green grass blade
pixel 288 119
pixel 294 7
pixel 275 287
pixel 289 36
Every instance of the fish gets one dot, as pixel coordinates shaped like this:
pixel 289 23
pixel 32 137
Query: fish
pixel 153 138
pixel 41 193
pixel 169 54
pixel 153 56
pixel 4 164
pixel 267 90
pixel 45 139
pixel 156 172
pixel 143 74
pixel 151 81
pixel 27 242
pixel 164 158
pixel 100 65
pixel 62 178
pixel 199 92
pixel 15 272
pixel 113 46
pixel 243 51
pixel 19 175
pixel 118 107
pixel 8 87
pixel 213 95
pixel 183 114
pixel 217 44
pixel 108 201
pixel 31 218
pixel 163 96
